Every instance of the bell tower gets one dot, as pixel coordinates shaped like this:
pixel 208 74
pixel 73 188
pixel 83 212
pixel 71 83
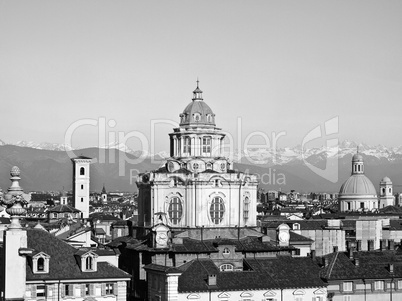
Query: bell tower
pixel 81 184
pixel 386 196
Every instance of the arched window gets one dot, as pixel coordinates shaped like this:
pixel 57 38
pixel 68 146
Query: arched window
pixel 89 263
pixel 226 267
pixel 82 171
pixel 217 210
pixel 175 210
pixel 41 264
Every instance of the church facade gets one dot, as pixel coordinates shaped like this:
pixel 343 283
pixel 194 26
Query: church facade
pixel 197 187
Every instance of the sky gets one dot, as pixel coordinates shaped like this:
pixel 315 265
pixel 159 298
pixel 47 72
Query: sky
pixel 90 72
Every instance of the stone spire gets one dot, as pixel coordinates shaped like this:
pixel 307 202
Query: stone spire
pixel 14 200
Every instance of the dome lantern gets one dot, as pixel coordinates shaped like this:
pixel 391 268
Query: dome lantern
pixel 197 93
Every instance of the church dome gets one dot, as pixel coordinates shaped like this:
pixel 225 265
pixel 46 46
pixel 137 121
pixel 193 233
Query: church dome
pixel 358 184
pixel 197 112
pixel 386 180
pixel 357 158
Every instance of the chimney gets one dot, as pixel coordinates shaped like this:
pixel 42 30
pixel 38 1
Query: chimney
pixel 351 253
pixel 370 243
pixel 211 279
pixel 391 244
pixel 383 244
pixel 335 249
pixel 312 254
pixel 357 262
pixel 359 245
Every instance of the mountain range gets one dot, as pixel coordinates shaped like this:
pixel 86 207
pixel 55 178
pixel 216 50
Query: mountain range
pixel 47 166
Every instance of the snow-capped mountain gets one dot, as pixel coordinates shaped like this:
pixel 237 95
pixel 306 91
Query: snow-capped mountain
pixel 259 156
pixel 288 155
pixel 43 145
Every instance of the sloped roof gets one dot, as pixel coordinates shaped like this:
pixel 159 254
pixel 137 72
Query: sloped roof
pixel 103 217
pixel 99 231
pixel 261 273
pixel 372 265
pixel 63 209
pixel 62 264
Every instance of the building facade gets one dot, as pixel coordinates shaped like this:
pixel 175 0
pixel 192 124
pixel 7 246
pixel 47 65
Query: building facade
pixel 197 186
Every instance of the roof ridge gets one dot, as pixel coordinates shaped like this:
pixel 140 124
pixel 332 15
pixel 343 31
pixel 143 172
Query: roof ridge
pixel 332 265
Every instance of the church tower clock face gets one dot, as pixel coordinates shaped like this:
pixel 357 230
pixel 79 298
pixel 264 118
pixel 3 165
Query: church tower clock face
pixel 283 237
pixel 161 239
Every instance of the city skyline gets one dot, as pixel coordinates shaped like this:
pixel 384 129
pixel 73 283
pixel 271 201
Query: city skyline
pixel 281 67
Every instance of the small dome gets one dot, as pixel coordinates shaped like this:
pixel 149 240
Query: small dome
pixel 197 112
pixel 358 184
pixel 386 180
pixel 357 158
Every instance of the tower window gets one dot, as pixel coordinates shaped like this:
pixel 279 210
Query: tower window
pixel 187 145
pixel 206 145
pixel 82 186
pixel 82 199
pixel 175 210
pixel 82 171
pixel 217 210
pixel 246 208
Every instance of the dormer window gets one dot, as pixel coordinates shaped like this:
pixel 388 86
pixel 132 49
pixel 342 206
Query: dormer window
pixel 226 267
pixel 197 117
pixel 87 260
pixel 40 263
pixel 89 263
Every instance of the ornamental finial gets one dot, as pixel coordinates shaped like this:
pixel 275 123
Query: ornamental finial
pixel 14 200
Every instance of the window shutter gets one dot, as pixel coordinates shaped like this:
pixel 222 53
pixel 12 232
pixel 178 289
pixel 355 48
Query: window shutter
pixel 103 289
pixel 115 288
pixel 82 290
pixel 63 290
pixel 91 289
pixel 28 290
pixel 33 291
